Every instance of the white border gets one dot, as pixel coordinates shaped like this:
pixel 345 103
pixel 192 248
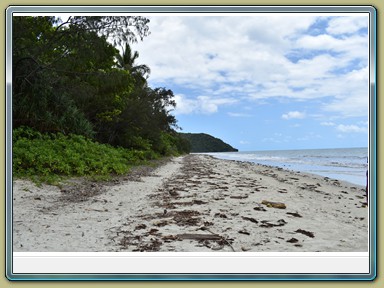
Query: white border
pixel 189 263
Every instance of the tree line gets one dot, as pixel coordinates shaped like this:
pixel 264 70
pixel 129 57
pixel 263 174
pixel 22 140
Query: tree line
pixel 70 78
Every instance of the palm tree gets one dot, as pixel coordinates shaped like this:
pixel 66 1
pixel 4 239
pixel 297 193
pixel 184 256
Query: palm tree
pixel 126 61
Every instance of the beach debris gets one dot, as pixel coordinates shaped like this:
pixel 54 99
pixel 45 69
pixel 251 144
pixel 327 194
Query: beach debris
pixel 173 193
pixel 238 196
pixel 336 183
pixel 173 205
pixel 294 214
pixel 153 231
pixel 185 217
pixel 152 246
pixel 278 205
pixel 80 192
pixel 141 226
pixel 168 205
pixel 267 224
pixel 223 241
pixel 193 221
pixel 282 190
pixel 204 239
pixel 245 232
pixel 199 236
pixel 259 208
pixel 213 246
pixel 307 233
pixel 245 248
pixel 170 238
pixel 160 223
pixel 221 215
pixel 292 240
pixel 199 202
pixel 249 219
pixel 242 186
pixel 140 243
pixel 97 210
pixel 306 186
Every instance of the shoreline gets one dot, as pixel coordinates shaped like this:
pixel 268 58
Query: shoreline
pixel 194 203
pixel 324 164
pixel 289 170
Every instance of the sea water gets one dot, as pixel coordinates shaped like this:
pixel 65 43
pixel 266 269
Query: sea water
pixel 347 164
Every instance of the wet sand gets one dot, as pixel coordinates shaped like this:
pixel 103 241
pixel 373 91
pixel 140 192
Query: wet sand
pixel 194 203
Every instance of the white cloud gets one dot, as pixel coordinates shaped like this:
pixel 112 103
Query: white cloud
pixel 245 58
pixel 211 105
pixel 351 129
pixel 202 104
pixel 185 105
pixel 293 115
pixel 343 25
pixel 234 114
pixel 327 124
pixel 319 42
pixel 204 51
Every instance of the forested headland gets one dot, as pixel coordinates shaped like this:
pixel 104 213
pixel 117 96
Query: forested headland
pixel 80 105
pixel 201 142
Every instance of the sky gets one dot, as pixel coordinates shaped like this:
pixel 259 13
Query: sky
pixel 274 82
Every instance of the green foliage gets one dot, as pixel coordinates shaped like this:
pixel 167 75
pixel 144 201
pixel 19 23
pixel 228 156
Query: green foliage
pixel 172 144
pixel 121 29
pixel 52 69
pixel 48 157
pixel 44 109
pixel 200 142
pixel 68 80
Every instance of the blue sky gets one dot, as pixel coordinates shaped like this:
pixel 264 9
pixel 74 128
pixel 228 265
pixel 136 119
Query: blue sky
pixel 264 82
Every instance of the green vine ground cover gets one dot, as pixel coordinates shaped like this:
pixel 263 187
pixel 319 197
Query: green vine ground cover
pixel 51 157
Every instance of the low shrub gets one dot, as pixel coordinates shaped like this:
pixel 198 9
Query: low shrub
pixel 50 157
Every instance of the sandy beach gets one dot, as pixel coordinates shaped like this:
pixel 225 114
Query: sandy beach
pixel 193 203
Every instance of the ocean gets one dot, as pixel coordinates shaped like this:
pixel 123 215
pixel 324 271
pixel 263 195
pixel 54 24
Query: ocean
pixel 346 164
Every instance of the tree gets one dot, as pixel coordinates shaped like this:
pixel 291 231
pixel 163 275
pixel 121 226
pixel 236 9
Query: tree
pixel 68 78
pixel 121 29
pixel 126 61
pixel 52 74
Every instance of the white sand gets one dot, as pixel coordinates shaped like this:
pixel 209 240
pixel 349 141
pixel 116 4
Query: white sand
pixel 194 203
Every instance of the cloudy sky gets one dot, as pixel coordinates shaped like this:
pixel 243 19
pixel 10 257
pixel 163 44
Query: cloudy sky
pixel 264 82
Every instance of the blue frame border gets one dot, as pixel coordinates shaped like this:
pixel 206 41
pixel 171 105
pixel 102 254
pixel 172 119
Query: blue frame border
pixel 198 277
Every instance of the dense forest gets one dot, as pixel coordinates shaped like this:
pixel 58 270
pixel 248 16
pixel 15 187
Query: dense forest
pixel 201 142
pixel 73 86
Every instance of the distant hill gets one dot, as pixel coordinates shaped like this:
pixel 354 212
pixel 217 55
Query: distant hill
pixel 201 142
